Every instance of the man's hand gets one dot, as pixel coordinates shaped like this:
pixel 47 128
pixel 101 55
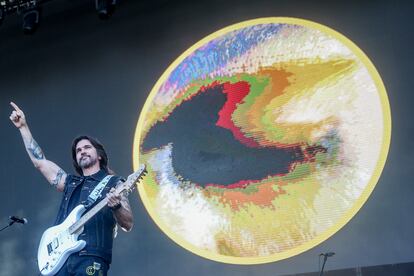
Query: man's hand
pixel 113 199
pixel 17 116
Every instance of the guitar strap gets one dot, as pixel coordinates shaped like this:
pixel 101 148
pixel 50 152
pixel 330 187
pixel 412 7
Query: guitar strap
pixel 96 193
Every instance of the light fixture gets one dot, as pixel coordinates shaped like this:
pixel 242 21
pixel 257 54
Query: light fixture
pixel 105 8
pixel 31 19
pixel 28 8
pixel 31 11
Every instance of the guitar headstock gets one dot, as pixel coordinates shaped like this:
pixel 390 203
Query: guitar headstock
pixel 132 179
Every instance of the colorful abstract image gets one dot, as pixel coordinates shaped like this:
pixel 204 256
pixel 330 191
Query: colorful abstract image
pixel 262 140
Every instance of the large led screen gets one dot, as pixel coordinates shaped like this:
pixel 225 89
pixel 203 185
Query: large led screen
pixel 262 140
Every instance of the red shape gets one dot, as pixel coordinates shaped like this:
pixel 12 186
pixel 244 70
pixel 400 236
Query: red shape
pixel 235 95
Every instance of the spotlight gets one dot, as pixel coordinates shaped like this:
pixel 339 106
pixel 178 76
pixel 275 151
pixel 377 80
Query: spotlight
pixel 105 8
pixel 31 20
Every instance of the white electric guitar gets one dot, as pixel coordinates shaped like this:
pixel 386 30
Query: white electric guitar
pixel 59 241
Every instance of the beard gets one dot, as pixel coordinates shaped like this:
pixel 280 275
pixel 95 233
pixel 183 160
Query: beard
pixel 87 161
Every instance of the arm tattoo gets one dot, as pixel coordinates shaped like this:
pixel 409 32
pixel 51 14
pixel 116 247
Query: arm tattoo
pixel 35 150
pixel 58 178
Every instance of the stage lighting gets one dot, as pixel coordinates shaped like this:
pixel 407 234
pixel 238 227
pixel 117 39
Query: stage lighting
pixel 31 20
pixel 105 8
pixel 29 9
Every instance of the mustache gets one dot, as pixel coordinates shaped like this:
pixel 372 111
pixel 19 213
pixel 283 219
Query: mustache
pixel 84 157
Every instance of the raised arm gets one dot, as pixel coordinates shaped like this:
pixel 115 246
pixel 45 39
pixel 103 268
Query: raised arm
pixel 53 173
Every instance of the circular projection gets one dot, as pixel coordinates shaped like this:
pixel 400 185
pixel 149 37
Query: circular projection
pixel 262 140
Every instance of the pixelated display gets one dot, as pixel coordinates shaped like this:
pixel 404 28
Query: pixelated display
pixel 262 140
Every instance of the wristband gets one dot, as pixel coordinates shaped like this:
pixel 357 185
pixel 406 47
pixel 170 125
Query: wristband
pixel 116 207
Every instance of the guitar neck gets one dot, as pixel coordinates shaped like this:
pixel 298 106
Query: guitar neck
pixel 124 189
pixel 87 216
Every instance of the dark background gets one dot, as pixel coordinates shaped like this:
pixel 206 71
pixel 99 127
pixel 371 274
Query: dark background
pixel 79 75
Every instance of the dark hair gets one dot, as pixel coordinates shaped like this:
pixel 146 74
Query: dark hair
pixel 103 161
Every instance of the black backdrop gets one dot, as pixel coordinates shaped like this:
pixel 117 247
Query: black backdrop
pixel 78 75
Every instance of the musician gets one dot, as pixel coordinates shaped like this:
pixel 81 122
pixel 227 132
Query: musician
pixel 91 163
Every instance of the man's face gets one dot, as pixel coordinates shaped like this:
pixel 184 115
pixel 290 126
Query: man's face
pixel 86 154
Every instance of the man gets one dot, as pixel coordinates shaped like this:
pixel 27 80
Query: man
pixel 91 163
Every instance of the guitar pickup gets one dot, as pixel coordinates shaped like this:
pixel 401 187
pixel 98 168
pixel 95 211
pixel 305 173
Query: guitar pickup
pixel 52 246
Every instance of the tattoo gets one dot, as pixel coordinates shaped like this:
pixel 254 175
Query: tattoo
pixel 58 178
pixel 125 203
pixel 35 150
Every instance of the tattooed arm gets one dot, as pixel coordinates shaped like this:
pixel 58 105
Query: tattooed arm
pixel 120 210
pixel 53 173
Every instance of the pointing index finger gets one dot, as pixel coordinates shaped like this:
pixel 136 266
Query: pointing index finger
pixel 15 106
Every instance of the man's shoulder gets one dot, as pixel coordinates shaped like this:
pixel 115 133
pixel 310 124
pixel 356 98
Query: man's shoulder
pixel 72 178
pixel 71 182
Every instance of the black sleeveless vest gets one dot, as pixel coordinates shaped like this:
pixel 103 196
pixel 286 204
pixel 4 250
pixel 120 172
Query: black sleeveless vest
pixel 99 230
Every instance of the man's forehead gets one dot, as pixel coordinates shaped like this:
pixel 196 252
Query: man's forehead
pixel 83 142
